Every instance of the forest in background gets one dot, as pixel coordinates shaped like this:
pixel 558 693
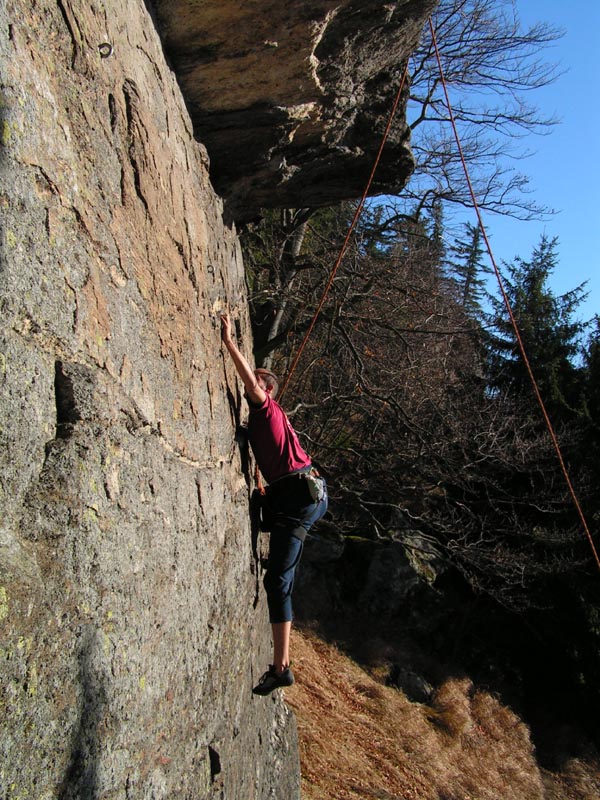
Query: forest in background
pixel 412 395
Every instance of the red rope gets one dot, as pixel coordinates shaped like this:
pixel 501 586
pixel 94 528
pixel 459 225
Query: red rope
pixel 357 213
pixel 509 309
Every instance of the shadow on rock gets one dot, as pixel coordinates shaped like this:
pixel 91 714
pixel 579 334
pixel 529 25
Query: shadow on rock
pixel 81 778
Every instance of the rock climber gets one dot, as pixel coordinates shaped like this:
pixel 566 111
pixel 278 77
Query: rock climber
pixel 295 498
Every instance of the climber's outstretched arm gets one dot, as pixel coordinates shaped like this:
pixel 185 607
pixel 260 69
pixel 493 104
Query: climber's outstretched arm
pixel 254 391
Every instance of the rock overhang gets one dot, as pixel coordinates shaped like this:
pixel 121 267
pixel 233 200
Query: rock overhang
pixel 291 100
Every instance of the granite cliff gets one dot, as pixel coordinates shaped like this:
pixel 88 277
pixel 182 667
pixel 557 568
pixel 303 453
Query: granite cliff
pixel 131 612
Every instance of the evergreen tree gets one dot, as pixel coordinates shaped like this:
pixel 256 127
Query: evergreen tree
pixel 549 331
pixel 592 372
pixel 589 440
pixel 466 268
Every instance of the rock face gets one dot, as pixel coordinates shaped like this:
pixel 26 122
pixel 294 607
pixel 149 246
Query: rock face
pixel 291 99
pixel 131 612
pixel 132 616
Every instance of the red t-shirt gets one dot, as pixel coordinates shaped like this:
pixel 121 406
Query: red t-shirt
pixel 274 442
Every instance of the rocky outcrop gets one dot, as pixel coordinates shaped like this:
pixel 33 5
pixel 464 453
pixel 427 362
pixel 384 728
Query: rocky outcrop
pixel 376 579
pixel 132 620
pixel 132 625
pixel 291 99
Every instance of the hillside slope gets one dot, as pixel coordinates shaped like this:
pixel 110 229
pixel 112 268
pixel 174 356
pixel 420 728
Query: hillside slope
pixel 363 740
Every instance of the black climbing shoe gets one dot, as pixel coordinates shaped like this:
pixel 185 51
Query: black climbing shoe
pixel 271 680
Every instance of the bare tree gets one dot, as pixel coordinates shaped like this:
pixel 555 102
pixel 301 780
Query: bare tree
pixel 490 65
pixel 288 257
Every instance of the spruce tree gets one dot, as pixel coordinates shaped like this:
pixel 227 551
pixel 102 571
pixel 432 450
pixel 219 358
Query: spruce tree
pixel 549 330
pixel 465 266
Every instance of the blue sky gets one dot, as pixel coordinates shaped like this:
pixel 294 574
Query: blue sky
pixel 565 170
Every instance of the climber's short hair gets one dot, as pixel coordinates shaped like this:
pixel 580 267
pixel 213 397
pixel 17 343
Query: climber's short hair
pixel 271 380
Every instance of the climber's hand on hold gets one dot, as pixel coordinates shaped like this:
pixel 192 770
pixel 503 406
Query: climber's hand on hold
pixel 225 328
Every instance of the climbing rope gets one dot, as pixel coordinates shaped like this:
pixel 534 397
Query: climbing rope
pixel 513 321
pixel 355 218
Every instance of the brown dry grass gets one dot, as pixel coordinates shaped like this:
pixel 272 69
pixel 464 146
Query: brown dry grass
pixel 362 740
